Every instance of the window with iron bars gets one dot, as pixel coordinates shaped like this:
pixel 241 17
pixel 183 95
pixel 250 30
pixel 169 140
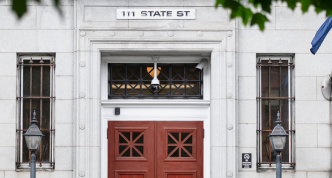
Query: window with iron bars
pixel 275 93
pixel 36 92
pixel 133 81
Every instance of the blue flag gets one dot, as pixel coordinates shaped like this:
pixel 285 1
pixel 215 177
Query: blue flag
pixel 320 35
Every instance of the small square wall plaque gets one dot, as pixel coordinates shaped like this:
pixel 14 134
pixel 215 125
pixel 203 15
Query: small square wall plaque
pixel 246 160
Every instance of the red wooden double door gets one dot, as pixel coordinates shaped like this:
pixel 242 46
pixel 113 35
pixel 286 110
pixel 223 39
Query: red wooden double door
pixel 153 149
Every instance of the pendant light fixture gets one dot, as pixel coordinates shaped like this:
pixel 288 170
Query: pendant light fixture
pixel 155 83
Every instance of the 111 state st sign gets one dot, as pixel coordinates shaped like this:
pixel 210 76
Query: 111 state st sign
pixel 156 14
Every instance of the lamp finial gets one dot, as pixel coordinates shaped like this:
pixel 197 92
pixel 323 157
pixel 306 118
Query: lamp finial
pixel 278 121
pixel 34 120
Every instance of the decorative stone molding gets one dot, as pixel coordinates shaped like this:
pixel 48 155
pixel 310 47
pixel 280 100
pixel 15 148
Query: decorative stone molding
pixel 82 95
pixel 82 64
pixel 82 33
pixel 82 174
pixel 90 149
pixel 141 34
pixel 112 33
pixel 170 34
pixel 229 174
pixel 82 126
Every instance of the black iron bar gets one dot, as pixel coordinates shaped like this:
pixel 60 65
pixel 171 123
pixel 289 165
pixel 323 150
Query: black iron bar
pixel 259 113
pixel 270 119
pixel 51 114
pixel 125 79
pixel 36 65
pixel 30 103
pixel 271 131
pixel 290 104
pixel 36 97
pixel 280 95
pixel 282 163
pixel 110 69
pixel 41 112
pixel 125 86
pixel 276 65
pixel 276 98
pixel 20 124
pixel 170 81
pixel 185 82
pixel 140 83
pixel 46 130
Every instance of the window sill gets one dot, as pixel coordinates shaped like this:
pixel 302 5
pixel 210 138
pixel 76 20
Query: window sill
pixel 156 102
pixel 273 169
pixel 37 169
pixel 26 168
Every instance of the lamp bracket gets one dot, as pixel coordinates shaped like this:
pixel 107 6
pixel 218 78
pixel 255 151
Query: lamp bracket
pixel 326 87
pixel 155 58
pixel 155 83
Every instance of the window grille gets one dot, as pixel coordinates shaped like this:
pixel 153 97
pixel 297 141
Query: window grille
pixel 275 93
pixel 36 76
pixel 133 81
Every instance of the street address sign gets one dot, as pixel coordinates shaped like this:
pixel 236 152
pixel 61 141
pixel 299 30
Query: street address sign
pixel 156 14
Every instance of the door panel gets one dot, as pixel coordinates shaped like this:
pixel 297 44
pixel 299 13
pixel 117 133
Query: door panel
pixel 180 176
pixel 131 176
pixel 154 149
pixel 179 149
pixel 131 149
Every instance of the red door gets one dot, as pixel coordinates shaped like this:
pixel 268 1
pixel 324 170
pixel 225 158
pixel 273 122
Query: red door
pixel 131 149
pixel 180 149
pixel 155 149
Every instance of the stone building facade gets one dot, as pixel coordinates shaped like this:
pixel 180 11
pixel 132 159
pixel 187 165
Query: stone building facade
pixel 88 39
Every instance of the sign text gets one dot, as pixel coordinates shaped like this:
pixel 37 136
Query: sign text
pixel 156 14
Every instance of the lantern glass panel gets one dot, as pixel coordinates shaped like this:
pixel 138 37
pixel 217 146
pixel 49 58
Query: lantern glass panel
pixel 278 142
pixel 33 142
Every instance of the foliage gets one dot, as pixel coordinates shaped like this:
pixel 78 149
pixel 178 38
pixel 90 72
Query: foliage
pixel 20 7
pixel 260 8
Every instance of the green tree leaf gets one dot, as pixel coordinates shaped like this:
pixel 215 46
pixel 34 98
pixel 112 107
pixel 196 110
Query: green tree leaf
pixel 260 20
pixel 261 8
pixel 305 5
pixel 19 7
pixel 264 4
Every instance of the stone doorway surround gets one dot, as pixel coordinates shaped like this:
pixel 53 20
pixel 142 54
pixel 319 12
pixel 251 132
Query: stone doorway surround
pixel 219 44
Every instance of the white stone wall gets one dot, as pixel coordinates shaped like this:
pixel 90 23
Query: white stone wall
pixel 41 30
pixel 102 14
pixel 289 32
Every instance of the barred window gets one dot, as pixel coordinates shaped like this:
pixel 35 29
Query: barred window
pixel 275 93
pixel 36 92
pixel 132 81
